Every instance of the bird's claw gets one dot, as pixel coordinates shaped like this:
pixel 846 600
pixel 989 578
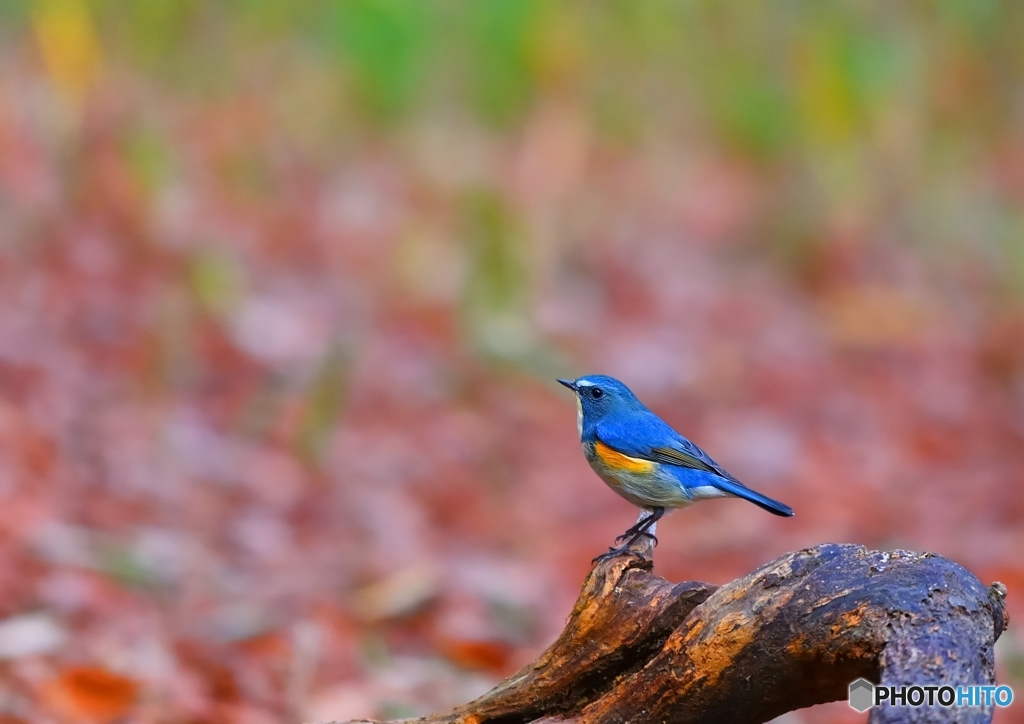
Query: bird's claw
pixel 613 552
pixel 629 534
pixel 625 549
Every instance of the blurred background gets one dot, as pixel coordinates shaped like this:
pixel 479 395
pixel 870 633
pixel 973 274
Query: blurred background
pixel 284 287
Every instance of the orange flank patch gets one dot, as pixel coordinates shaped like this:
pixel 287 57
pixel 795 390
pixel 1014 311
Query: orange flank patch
pixel 618 461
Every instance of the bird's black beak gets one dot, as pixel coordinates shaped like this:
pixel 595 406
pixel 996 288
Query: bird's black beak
pixel 569 383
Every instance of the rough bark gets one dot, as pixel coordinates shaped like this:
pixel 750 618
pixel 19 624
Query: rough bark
pixel 793 633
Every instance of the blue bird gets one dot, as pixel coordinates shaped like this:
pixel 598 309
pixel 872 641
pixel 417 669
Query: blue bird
pixel 644 460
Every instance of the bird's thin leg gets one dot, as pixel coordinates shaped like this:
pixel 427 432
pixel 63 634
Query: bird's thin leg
pixel 633 534
pixel 631 530
pixel 640 527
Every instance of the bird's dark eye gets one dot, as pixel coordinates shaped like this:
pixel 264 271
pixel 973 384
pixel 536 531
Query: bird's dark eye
pixel 596 392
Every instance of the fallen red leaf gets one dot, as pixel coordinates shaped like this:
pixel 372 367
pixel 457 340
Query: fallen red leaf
pixel 482 655
pixel 89 693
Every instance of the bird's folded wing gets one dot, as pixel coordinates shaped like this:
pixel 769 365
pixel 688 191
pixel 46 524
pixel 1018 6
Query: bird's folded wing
pixel 674 456
pixel 649 438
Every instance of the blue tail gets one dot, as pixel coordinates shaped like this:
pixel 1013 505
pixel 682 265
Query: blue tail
pixel 736 488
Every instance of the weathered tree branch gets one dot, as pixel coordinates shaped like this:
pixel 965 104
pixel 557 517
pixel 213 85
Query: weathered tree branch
pixel 793 633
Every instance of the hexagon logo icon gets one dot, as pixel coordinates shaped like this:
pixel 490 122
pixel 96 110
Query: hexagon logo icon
pixel 862 695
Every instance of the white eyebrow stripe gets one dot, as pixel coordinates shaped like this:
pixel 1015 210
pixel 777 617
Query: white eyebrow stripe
pixel 584 383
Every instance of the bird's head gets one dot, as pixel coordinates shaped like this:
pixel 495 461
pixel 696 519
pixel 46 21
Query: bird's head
pixel 599 396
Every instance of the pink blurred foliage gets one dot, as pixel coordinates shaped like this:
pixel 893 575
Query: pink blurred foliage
pixel 253 457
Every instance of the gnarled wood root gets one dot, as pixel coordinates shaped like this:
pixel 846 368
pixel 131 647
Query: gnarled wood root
pixel 793 633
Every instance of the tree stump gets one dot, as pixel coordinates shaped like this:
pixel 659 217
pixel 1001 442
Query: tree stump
pixel 793 633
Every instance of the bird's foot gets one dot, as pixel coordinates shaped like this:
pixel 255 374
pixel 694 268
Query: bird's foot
pixel 626 549
pixel 641 527
pixel 613 552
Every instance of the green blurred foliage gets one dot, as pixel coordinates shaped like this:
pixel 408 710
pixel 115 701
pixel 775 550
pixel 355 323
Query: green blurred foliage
pixel 757 61
pixel 495 303
pixel 382 41
pixel 766 77
pixel 150 158
pixel 500 75
pixel 323 399
pixel 873 106
pixel 216 280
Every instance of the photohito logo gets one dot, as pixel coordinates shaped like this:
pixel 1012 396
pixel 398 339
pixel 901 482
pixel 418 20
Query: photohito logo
pixel 864 695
